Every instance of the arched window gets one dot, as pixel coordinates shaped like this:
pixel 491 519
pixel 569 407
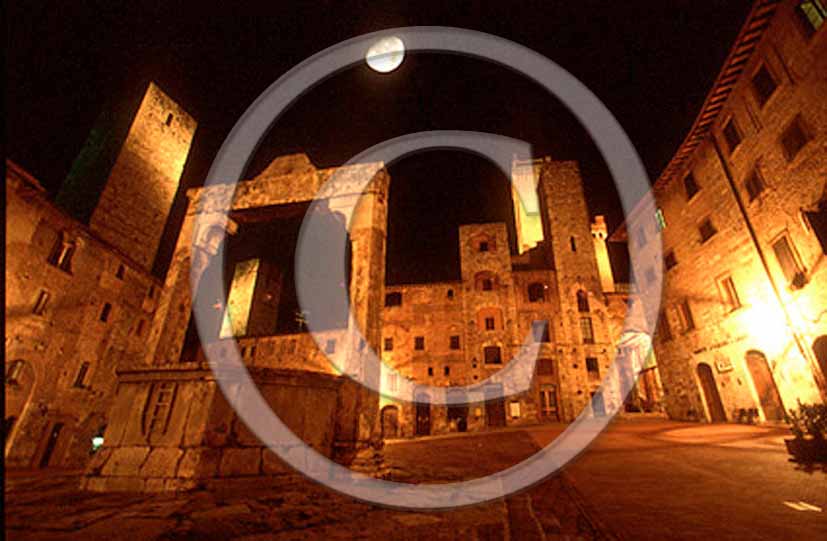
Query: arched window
pixel 536 292
pixel 582 301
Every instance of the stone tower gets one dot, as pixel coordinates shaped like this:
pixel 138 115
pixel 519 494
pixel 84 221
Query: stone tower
pixel 527 221
pixel 125 178
pixel 601 252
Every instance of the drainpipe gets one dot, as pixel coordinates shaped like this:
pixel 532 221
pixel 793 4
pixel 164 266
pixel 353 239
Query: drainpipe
pixel 762 257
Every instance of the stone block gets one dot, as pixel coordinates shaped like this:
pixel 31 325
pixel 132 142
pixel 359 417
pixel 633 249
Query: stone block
pixel 199 413
pixel 236 462
pixel 162 462
pixel 125 461
pixel 199 463
pixel 272 464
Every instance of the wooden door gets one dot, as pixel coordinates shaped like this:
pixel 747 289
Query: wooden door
pixel 710 390
pixel 768 395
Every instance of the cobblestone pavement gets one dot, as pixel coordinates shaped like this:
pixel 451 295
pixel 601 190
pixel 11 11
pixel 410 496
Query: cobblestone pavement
pixel 41 506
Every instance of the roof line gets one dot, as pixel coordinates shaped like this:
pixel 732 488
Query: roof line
pixel 748 38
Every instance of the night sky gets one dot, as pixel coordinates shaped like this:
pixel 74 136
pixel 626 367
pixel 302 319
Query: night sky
pixel 651 62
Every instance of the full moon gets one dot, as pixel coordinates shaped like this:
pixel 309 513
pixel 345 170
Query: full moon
pixel 386 54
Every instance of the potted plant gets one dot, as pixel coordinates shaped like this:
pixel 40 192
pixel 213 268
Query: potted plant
pixel 808 423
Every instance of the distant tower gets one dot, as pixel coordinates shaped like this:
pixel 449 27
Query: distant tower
pixel 525 175
pixel 125 178
pixel 601 253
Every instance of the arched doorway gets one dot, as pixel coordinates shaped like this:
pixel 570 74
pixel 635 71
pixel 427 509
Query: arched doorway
pixel 768 395
pixel 710 390
pixel 390 422
pixel 820 350
pixel 423 415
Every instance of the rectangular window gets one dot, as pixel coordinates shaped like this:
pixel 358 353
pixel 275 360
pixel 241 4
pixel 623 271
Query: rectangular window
pixel 388 346
pixel 446 371
pixel 593 368
pixel 41 303
pixel 62 252
pixel 707 230
pixel 419 342
pixel 80 379
pixel 489 324
pixel 330 346
pixel 785 256
pixel 105 311
pixel 794 138
pixel 545 367
pixel 729 295
pixel 430 370
pixel 392 382
pixel 732 135
pixel 492 355
pixel 811 15
pixel 763 85
pixel 119 274
pixel 754 185
pixel 587 330
pixel 660 220
pixel 454 342
pixel 685 316
pixel 690 185
pixel 487 284
pixel 393 299
pixel 669 260
pixel 483 246
pixel 539 330
pixel 818 224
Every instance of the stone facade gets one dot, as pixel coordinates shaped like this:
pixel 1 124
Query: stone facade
pixel 80 299
pixel 442 333
pixel 75 308
pixel 743 212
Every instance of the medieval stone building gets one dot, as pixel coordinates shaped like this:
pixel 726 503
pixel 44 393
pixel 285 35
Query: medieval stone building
pixel 558 292
pixel 80 296
pixel 742 216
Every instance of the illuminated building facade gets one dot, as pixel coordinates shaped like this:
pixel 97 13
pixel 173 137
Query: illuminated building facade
pixel 80 295
pixel 559 292
pixel 741 211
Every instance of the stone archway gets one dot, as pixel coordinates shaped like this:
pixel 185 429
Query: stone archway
pixel 717 414
pixel 390 422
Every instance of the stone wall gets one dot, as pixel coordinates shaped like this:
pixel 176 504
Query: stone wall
pixel 772 317
pixel 49 253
